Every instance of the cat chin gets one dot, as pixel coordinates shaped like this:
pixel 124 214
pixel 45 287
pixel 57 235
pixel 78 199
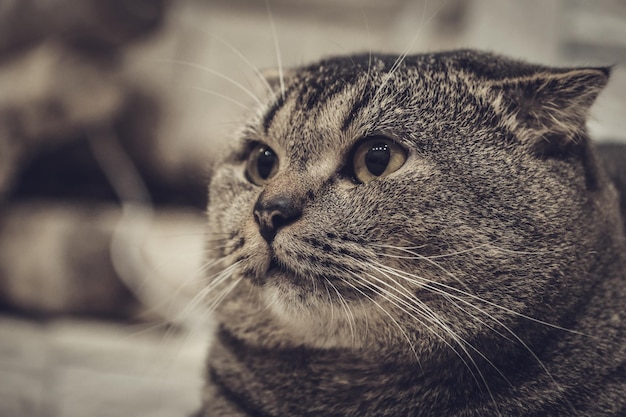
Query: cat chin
pixel 312 321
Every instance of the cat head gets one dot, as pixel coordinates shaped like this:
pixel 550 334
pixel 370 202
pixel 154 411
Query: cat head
pixel 378 199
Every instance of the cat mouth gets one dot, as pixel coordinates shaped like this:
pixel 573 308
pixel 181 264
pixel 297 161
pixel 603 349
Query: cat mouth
pixel 278 269
pixel 277 266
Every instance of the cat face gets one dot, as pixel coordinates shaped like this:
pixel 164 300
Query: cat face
pixel 378 200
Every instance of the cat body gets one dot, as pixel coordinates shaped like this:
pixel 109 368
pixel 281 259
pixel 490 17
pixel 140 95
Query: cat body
pixel 427 235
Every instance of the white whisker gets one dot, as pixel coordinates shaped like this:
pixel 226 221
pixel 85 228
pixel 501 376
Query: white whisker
pixel 240 54
pixel 412 299
pixel 330 300
pixel 410 343
pixel 430 285
pixel 218 279
pixel 217 74
pixel 415 255
pixel 424 258
pixel 222 96
pixel 279 61
pixel 427 314
pixel 346 308
pixel 223 294
pixel 369 52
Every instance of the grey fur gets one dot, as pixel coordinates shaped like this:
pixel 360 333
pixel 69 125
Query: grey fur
pixel 485 277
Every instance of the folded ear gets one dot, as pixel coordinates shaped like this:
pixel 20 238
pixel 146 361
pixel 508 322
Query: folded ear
pixel 551 104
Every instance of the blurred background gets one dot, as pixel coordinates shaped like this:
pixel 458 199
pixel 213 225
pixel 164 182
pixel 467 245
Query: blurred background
pixel 111 113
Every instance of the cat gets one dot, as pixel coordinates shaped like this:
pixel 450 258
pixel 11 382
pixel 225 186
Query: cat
pixel 425 235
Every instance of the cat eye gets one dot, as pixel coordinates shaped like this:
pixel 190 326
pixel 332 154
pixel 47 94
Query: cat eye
pixel 377 157
pixel 262 164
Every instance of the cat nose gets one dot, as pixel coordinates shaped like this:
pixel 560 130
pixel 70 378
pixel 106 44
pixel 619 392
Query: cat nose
pixel 273 213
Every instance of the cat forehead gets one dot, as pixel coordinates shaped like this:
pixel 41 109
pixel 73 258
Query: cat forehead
pixel 323 108
pixel 314 82
pixel 341 99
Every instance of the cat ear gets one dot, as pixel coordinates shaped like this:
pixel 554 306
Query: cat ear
pixel 551 105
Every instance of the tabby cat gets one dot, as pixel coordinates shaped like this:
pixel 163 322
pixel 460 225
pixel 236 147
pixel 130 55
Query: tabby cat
pixel 425 235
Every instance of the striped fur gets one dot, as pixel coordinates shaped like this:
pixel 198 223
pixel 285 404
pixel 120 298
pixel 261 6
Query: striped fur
pixel 484 277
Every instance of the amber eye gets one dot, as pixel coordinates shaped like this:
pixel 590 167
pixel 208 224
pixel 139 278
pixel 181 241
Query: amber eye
pixel 377 157
pixel 262 164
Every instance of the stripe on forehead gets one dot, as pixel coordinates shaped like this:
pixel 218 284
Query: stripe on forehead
pixel 309 137
pixel 362 101
pixel 315 86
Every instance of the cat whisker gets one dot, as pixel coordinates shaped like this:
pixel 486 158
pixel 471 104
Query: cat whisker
pixel 347 311
pixel 217 74
pixel 460 252
pixel 492 245
pixel 402 56
pixel 221 296
pixel 222 96
pixel 427 314
pixel 220 251
pixel 432 285
pixel 279 61
pixel 420 308
pixel 400 59
pixel 411 300
pixel 215 277
pixel 165 306
pixel 476 318
pixel 427 259
pixel 429 285
pixel 174 314
pixel 330 299
pixel 206 266
pixel 400 248
pixel 216 248
pixel 408 340
pixel 218 279
pixel 520 252
pixel 369 54
pixel 174 311
pixel 147 327
pixel 240 54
